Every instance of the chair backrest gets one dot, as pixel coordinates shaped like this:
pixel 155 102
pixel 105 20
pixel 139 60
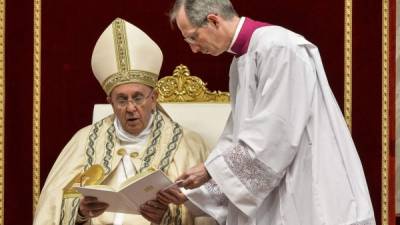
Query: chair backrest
pixel 186 99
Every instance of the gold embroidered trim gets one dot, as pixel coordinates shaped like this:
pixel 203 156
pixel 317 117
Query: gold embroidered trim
pixel 154 144
pixel 92 138
pixel 36 101
pixel 109 149
pixel 130 76
pixel 172 146
pixel 385 112
pixel 121 45
pixel 348 55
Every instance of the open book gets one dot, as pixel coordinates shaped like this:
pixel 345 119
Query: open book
pixel 132 193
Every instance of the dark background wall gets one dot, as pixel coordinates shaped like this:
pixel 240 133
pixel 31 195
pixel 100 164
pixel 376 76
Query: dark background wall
pixel 69 90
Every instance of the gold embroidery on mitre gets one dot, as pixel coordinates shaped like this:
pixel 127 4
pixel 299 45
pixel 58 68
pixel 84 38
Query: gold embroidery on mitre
pixel 121 45
pixel 125 74
pixel 132 76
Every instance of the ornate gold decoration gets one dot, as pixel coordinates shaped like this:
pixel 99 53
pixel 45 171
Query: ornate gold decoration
pixel 385 112
pixel 121 45
pixel 139 76
pixel 182 87
pixel 348 29
pixel 121 152
pixel 134 154
pixel 2 101
pixel 36 100
pixel 93 175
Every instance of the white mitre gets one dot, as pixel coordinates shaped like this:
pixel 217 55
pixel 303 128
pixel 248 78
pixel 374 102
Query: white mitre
pixel 125 54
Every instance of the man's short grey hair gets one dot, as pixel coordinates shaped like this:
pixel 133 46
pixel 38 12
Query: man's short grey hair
pixel 198 10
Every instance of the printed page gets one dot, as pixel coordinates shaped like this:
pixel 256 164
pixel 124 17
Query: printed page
pixel 146 188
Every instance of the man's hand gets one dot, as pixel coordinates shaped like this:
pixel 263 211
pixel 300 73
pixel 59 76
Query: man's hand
pixel 194 177
pixel 171 195
pixel 90 207
pixel 153 211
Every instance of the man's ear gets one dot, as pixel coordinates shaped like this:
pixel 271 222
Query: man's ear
pixel 214 19
pixel 109 99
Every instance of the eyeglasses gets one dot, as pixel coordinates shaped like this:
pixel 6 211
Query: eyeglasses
pixel 192 38
pixel 136 101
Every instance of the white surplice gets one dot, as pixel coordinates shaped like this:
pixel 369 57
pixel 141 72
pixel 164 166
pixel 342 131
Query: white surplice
pixel 286 156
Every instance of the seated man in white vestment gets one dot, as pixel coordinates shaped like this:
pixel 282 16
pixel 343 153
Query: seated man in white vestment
pixel 137 136
pixel 286 156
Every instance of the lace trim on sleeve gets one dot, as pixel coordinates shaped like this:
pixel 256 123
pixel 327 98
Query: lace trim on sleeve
pixel 253 174
pixel 216 193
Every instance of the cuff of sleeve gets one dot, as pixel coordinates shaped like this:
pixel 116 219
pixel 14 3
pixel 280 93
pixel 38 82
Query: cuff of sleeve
pixel 201 200
pixel 193 209
pixel 231 186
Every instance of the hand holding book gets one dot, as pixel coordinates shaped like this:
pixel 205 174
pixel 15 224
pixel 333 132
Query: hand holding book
pixel 194 177
pixel 153 211
pixel 172 194
pixel 90 207
pixel 132 193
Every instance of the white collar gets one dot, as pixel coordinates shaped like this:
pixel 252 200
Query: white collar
pixel 238 28
pixel 129 138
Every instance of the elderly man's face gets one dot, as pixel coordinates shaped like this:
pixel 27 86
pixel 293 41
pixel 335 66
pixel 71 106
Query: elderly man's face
pixel 133 104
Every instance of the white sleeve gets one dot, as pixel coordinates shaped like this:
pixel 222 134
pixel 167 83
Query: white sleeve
pixel 269 137
pixel 208 199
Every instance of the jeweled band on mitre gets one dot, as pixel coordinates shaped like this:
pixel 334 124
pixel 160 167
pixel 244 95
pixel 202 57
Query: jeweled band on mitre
pixel 131 76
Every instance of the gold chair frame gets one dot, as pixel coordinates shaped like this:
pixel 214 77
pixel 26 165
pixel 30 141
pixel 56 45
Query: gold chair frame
pixel 183 87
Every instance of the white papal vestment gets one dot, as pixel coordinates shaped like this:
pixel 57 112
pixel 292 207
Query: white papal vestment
pixel 164 144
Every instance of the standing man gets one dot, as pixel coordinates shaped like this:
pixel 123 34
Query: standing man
pixel 286 155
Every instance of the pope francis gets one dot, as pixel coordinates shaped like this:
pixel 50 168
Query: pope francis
pixel 139 135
